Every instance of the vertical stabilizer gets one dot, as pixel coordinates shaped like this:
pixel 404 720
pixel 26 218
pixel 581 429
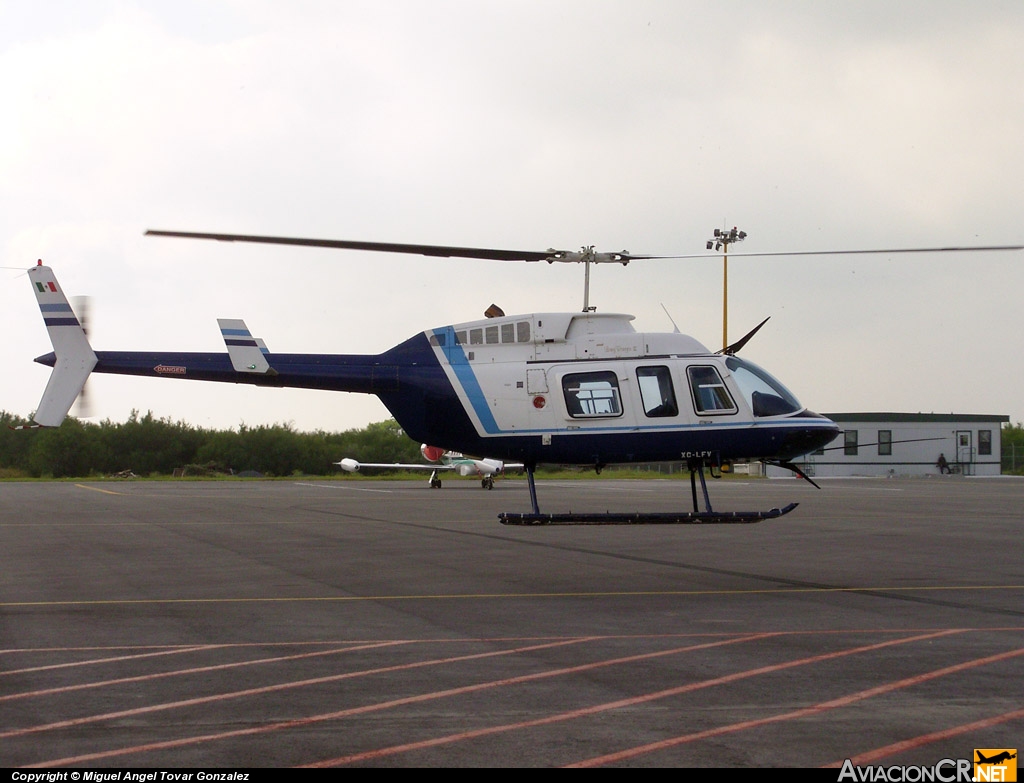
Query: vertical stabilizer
pixel 246 352
pixel 75 357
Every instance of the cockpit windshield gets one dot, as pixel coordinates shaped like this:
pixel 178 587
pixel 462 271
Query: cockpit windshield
pixel 764 394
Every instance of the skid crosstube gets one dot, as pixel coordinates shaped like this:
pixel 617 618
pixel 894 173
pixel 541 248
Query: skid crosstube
pixel 644 518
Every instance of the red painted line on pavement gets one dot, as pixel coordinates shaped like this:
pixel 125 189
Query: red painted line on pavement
pixel 193 670
pixel 801 713
pixel 926 739
pixel 116 659
pixel 586 711
pixel 258 691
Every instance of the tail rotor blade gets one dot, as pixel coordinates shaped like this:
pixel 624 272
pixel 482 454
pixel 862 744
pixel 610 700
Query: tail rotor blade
pixel 82 307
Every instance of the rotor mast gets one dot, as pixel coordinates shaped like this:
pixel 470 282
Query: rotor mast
pixel 587 256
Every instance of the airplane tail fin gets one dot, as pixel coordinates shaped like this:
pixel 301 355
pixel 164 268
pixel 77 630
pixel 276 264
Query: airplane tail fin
pixel 74 356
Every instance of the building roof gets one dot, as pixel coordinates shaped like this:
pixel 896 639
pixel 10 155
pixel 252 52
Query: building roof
pixel 920 418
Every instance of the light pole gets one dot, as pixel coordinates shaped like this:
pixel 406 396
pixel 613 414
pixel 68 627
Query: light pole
pixel 721 241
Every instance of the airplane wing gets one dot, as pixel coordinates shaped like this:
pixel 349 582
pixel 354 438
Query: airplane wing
pixel 352 466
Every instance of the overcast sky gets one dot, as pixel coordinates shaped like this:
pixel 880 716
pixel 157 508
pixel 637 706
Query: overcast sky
pixel 525 125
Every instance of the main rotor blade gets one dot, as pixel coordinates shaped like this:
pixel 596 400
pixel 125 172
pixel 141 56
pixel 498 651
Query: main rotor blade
pixel 889 251
pixel 382 247
pixel 891 442
pixel 737 346
pixel 550 255
pixel 444 251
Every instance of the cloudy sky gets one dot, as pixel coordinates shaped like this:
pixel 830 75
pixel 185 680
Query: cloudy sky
pixel 527 125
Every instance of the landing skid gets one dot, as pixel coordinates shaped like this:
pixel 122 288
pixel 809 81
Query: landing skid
pixel 695 517
pixel 646 518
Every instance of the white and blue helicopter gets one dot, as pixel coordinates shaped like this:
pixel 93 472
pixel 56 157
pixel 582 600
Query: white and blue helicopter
pixel 441 461
pixel 581 388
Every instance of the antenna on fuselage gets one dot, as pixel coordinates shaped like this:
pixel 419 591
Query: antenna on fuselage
pixel 675 329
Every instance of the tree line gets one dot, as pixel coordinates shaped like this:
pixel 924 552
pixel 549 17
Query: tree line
pixel 147 446
pixel 1013 448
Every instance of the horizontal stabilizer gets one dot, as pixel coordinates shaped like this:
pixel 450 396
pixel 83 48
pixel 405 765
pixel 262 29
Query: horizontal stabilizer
pixel 246 352
pixel 74 356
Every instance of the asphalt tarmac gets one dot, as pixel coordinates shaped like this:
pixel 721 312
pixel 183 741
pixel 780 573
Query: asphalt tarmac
pixel 323 623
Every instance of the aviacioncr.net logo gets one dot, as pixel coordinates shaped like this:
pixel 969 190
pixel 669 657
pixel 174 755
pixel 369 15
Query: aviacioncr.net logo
pixel 945 771
pixel 995 765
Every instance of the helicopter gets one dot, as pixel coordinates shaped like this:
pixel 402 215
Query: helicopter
pixel 485 468
pixel 579 388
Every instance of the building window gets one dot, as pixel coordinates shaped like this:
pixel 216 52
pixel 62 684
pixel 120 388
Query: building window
pixel 985 442
pixel 850 443
pixel 591 395
pixel 885 443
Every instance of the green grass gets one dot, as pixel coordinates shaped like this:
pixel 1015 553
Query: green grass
pixel 560 474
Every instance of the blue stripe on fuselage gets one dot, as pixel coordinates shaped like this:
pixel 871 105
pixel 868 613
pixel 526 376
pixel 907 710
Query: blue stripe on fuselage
pixel 470 385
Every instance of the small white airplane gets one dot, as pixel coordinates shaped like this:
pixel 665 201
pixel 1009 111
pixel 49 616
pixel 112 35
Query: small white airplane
pixel 487 469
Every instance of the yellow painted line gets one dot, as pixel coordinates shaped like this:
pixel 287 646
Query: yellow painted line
pixel 490 596
pixel 97 489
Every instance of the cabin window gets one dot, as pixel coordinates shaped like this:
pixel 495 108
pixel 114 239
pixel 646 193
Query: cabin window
pixel 437 339
pixel 491 335
pixel 476 336
pixel 656 392
pixel 984 442
pixel 850 443
pixel 763 393
pixel 460 338
pixel 710 397
pixel 592 395
pixel 508 333
pixel 523 332
pixel 885 443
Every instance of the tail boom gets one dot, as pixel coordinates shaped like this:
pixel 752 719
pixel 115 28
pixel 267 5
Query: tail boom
pixel 364 374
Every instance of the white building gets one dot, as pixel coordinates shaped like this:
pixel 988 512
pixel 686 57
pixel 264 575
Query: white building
pixel 908 444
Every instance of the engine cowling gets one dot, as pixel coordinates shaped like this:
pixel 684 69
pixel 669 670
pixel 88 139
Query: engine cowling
pixel 431 453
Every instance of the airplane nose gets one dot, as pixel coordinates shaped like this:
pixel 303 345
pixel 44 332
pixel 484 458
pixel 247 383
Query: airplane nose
pixel 800 442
